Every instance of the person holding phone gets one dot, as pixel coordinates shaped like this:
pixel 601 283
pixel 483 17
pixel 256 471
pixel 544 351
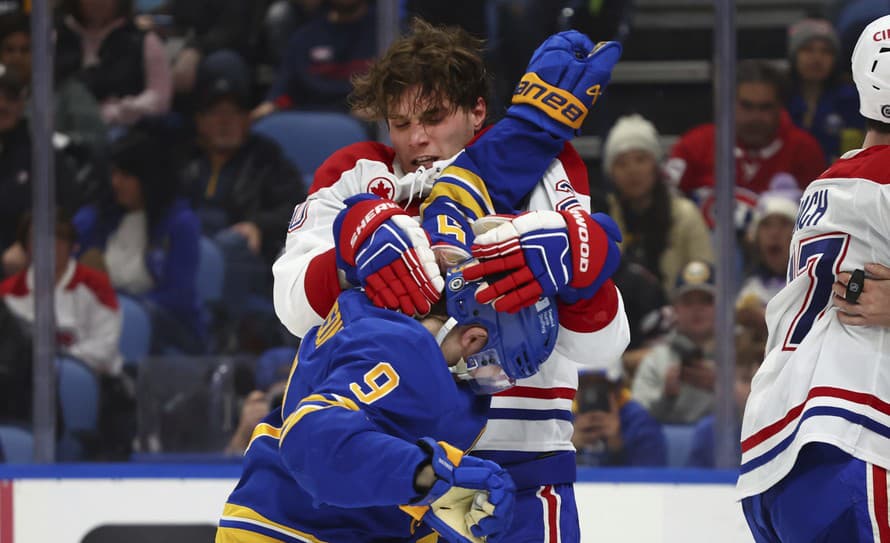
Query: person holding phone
pixel 611 429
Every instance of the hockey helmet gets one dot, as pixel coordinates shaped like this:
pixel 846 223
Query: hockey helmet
pixel 518 343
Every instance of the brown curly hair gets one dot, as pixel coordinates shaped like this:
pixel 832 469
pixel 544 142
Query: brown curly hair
pixel 444 62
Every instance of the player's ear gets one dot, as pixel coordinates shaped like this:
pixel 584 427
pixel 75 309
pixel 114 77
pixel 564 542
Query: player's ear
pixel 472 339
pixel 478 113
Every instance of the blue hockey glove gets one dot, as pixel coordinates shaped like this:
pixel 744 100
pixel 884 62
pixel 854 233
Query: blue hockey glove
pixel 471 498
pixel 544 253
pixel 564 78
pixel 384 250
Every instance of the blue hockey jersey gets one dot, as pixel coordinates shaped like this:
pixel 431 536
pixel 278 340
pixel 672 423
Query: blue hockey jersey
pixel 333 464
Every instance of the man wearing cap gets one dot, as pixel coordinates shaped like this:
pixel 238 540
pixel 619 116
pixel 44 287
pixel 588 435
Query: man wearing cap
pixel 815 439
pixel 240 183
pixel 675 381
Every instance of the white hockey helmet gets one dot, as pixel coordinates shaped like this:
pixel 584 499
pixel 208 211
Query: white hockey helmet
pixel 871 70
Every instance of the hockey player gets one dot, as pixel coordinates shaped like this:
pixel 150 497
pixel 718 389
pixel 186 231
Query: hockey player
pixel 815 439
pixel 430 88
pixel 350 442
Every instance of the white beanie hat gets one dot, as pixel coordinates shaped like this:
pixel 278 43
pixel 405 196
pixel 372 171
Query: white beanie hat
pixel 782 198
pixel 871 70
pixel 630 133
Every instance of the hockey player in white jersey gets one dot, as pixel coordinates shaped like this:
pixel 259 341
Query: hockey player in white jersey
pixel 816 430
pixel 429 89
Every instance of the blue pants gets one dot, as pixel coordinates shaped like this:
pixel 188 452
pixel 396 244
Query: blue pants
pixel 545 514
pixel 829 496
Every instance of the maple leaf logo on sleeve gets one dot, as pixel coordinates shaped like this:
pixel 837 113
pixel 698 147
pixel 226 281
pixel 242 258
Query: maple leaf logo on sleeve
pixel 383 187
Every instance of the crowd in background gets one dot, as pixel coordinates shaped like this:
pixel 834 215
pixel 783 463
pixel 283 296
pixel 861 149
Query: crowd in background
pixel 154 105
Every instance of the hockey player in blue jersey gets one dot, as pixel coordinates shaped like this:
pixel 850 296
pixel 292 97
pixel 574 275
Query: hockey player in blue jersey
pixel 373 419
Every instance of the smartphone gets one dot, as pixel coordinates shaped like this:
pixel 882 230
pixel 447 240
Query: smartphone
pixel 593 393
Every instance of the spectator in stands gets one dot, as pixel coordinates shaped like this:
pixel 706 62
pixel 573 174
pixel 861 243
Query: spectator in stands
pixel 125 68
pixel 611 429
pixel 675 381
pixel 321 58
pixel 240 183
pixel 850 19
pixel 767 143
pixel 822 103
pixel 76 112
pixel 272 372
pixel 648 312
pixel 88 318
pixel 749 354
pixel 213 25
pixel 770 238
pixel 15 172
pixel 148 239
pixel 661 231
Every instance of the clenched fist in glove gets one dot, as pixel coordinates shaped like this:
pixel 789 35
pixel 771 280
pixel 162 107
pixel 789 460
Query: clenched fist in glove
pixel 468 499
pixel 384 250
pixel 565 77
pixel 544 253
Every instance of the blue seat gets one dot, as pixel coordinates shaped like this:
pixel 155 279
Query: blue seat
pixel 78 393
pixel 679 443
pixel 17 444
pixel 309 137
pixel 136 329
pixel 211 272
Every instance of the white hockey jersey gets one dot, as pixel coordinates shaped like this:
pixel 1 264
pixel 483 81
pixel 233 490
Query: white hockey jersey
pixel 534 416
pixel 823 381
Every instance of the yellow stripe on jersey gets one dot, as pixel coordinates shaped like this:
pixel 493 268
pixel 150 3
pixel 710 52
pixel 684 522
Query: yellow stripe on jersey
pixel 240 513
pixel 331 325
pixel 464 187
pixel 336 400
pixel 304 409
pixel 263 429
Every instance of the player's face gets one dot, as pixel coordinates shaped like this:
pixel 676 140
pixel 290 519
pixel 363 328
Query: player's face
pixel 223 126
pixel 15 53
pixel 634 174
pixel 423 132
pixel 815 61
pixel 694 312
pixel 774 234
pixel 461 341
pixel 757 114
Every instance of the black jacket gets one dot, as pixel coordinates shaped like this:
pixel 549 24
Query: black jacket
pixel 258 184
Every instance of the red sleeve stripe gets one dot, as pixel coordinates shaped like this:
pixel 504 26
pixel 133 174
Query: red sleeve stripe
pixel 575 169
pixel 593 314
pixel 321 283
pixel 97 282
pixel 556 393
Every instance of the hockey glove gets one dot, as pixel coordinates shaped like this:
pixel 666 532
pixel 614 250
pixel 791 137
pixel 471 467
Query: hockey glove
pixel 384 250
pixel 564 78
pixel 471 498
pixel 545 253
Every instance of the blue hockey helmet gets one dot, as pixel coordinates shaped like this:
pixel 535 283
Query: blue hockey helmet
pixel 518 343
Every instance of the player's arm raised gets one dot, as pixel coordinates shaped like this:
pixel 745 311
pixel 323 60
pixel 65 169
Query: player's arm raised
pixel 496 173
